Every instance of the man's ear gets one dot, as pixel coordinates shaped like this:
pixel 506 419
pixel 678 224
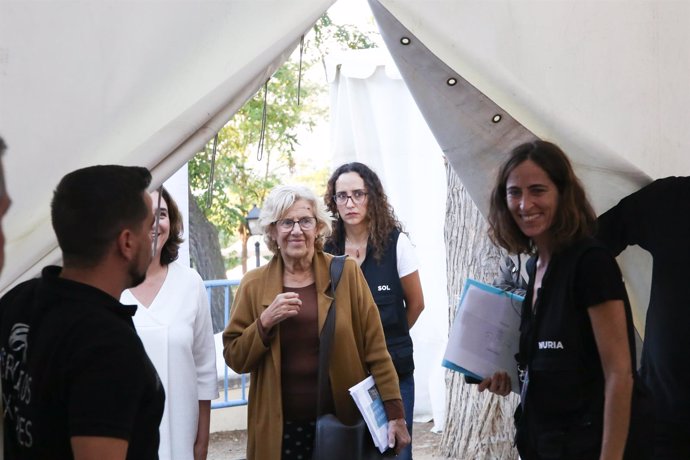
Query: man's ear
pixel 125 244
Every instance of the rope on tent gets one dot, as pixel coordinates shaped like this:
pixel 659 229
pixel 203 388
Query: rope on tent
pixel 262 136
pixel 299 76
pixel 211 177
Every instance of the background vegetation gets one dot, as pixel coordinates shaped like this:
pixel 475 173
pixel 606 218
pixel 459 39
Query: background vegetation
pixel 243 171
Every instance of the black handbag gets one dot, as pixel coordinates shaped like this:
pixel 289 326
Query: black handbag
pixel 333 439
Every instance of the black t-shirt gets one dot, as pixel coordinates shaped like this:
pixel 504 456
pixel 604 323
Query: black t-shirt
pixel 72 365
pixel 657 218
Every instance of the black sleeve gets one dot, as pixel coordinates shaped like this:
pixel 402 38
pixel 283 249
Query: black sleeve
pixel 598 279
pixel 632 219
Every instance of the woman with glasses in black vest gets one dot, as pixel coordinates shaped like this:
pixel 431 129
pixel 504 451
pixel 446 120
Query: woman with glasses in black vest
pixel 367 230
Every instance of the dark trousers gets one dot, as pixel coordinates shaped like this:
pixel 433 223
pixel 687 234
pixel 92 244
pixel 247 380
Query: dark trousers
pixel 407 392
pixel 672 441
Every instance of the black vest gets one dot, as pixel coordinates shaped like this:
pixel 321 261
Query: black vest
pixel 386 288
pixel 564 402
pixel 557 343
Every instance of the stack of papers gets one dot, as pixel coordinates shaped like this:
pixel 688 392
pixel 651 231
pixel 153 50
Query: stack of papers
pixel 485 335
pixel 369 402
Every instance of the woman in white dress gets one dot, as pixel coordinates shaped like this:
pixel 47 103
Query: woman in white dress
pixel 174 323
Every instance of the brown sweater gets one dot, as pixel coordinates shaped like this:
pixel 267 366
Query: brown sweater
pixel 299 344
pixel 359 348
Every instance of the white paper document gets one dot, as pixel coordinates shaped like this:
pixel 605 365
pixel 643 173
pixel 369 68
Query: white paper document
pixel 485 334
pixel 369 402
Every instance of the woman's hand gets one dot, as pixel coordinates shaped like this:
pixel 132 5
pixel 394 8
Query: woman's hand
pixel 284 306
pixel 200 450
pixel 398 436
pixel 499 384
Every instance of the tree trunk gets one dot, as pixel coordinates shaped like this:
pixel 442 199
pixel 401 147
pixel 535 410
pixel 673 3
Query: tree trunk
pixel 206 258
pixel 478 425
pixel 244 237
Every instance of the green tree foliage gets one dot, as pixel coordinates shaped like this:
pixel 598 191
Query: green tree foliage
pixel 329 36
pixel 240 179
pixel 243 176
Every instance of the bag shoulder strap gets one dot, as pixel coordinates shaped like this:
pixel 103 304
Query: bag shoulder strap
pixel 326 337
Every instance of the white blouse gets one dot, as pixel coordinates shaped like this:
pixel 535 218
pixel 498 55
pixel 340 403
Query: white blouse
pixel 177 334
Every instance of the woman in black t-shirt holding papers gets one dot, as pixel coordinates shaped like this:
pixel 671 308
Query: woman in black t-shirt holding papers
pixel 576 338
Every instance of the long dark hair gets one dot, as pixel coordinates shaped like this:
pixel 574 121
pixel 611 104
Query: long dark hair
pixel 380 214
pixel 574 218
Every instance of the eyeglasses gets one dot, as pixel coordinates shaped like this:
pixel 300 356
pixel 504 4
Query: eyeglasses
pixel 357 197
pixel 305 223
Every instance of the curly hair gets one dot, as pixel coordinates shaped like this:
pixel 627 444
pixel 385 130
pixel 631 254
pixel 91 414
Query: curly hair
pixel 574 218
pixel 381 219
pixel 279 200
pixel 171 248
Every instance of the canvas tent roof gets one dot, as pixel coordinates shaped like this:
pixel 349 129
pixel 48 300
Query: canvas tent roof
pixel 87 82
pixel 146 83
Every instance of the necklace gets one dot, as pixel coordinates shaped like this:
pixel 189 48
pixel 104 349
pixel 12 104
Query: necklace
pixel 357 247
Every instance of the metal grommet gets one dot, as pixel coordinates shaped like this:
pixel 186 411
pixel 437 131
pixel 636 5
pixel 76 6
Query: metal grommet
pixel 496 118
pixel 405 41
pixel 452 81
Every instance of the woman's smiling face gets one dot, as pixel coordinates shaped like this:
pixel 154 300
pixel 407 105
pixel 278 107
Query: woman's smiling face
pixel 163 222
pixel 532 200
pixel 296 243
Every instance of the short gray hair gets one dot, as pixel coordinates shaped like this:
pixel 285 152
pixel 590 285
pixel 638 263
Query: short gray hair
pixel 280 200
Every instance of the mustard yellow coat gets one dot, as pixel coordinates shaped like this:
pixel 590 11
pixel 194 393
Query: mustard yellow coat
pixel 359 348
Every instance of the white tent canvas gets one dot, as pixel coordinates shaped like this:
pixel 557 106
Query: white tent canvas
pixel 145 83
pixel 92 81
pixel 150 82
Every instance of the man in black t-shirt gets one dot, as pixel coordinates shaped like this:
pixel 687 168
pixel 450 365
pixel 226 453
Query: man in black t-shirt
pixel 76 381
pixel 657 218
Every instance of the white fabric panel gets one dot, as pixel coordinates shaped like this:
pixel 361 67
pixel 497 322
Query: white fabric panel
pixel 602 76
pixel 547 97
pixel 375 120
pixel 146 83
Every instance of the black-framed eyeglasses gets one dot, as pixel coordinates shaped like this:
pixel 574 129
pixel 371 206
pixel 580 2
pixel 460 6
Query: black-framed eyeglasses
pixel 357 197
pixel 305 223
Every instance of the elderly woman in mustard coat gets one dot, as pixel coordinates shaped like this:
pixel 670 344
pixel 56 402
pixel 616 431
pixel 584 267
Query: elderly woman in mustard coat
pixel 273 333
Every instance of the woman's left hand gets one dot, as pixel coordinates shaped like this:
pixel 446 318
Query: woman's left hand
pixel 398 436
pixel 200 451
pixel 499 384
